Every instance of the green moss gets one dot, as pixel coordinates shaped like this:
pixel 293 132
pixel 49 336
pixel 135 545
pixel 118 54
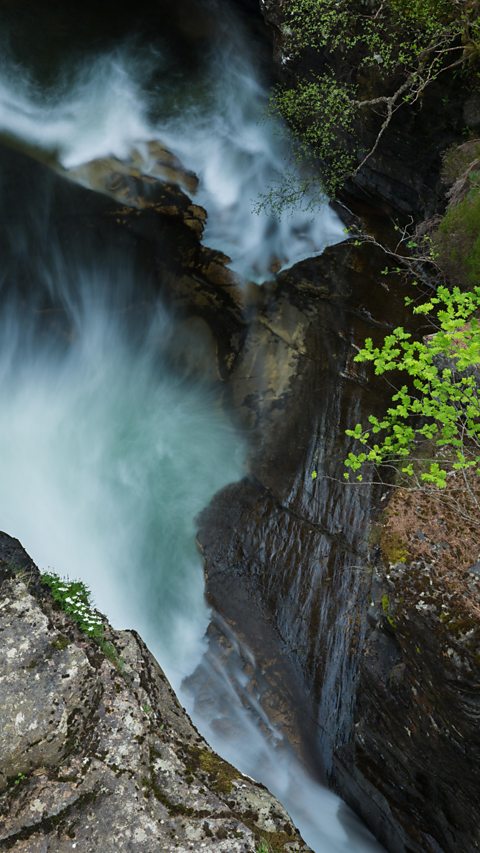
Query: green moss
pixel 386 611
pixel 457 160
pixel 273 842
pixel 111 653
pixel 220 773
pixel 61 643
pixel 18 779
pixel 394 549
pixel 458 240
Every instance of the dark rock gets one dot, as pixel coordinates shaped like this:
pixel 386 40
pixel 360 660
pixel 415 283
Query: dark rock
pixel 283 552
pixel 471 111
pixel 413 764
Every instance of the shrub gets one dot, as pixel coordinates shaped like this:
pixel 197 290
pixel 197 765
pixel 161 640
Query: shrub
pixel 384 54
pixel 435 395
pixel 74 598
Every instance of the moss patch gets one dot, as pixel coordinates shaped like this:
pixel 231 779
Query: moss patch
pixel 458 159
pixel 386 611
pixel 457 240
pixel 220 773
pixel 393 546
pixel 272 842
pixel 61 643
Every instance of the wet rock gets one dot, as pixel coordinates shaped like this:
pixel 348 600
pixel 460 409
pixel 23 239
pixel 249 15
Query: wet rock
pixel 153 226
pixel 471 111
pixel 412 766
pixel 149 178
pixel 283 550
pixel 97 754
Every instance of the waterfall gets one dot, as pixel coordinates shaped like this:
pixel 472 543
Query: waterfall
pixel 220 128
pixel 109 444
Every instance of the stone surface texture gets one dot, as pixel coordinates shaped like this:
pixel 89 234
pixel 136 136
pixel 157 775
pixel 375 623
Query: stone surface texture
pixel 99 755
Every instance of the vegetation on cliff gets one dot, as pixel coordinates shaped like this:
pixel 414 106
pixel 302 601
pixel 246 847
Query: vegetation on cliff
pixel 436 399
pixel 358 63
pixel 376 57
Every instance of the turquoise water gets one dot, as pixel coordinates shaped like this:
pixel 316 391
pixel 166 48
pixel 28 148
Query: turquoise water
pixel 107 456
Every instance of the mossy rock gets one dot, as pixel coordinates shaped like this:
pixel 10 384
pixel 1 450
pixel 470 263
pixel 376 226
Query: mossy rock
pixel 220 773
pixel 457 160
pixel 457 240
pixel 394 549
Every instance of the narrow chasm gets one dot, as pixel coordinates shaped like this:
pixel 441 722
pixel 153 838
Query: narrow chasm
pixel 212 640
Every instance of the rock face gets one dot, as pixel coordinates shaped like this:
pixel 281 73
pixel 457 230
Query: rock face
pixel 412 767
pixel 283 551
pixel 152 225
pixel 380 656
pixel 384 651
pixel 97 754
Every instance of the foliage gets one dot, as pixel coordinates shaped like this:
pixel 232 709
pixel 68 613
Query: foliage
pixel 383 54
pixel 74 599
pixel 373 30
pixel 435 393
pixel 320 112
pixel 458 237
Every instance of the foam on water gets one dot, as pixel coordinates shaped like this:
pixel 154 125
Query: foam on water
pixel 241 152
pixel 92 112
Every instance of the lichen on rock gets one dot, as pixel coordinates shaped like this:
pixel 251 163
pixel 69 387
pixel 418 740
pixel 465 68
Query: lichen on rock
pixel 99 757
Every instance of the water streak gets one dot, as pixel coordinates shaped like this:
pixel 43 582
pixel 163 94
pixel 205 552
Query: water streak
pixel 107 456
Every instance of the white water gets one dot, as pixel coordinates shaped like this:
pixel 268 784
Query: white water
pixel 106 457
pixel 113 105
pixel 94 111
pixel 106 454
pixel 240 153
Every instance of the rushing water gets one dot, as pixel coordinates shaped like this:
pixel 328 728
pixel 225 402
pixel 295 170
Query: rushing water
pixel 109 447
pixel 106 457
pixel 216 120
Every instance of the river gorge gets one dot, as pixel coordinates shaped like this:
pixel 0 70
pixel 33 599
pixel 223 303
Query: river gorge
pixel 177 373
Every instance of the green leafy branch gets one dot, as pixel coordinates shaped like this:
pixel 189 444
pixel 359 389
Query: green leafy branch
pixel 436 393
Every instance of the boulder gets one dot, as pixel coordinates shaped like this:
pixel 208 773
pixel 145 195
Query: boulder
pixel 96 752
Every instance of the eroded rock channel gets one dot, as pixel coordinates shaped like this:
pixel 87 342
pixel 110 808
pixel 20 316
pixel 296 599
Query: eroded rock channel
pixel 176 365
